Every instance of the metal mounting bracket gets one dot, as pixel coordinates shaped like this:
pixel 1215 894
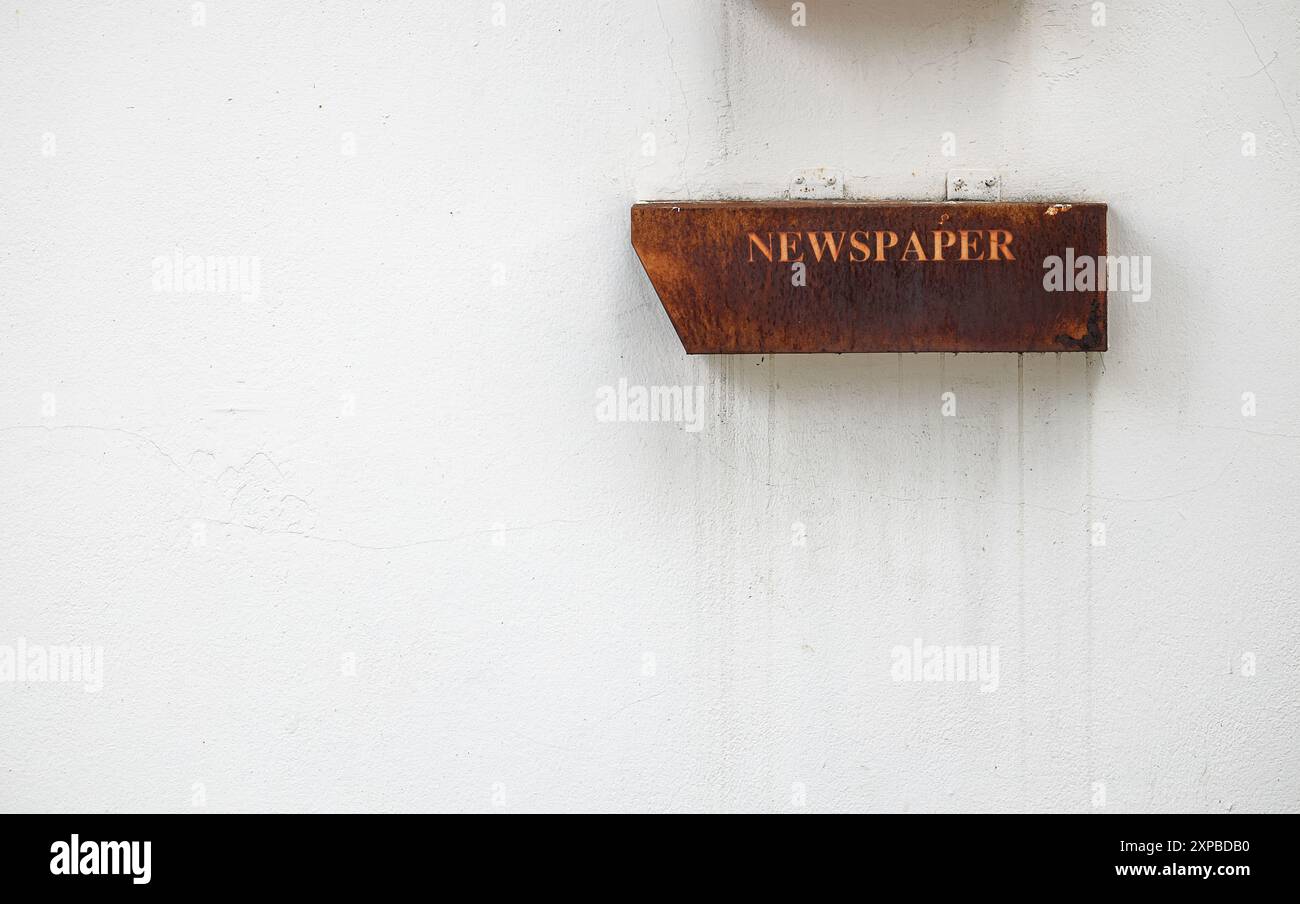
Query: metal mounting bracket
pixel 974 185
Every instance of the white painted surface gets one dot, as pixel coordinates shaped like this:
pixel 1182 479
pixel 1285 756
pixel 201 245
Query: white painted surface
pixel 393 452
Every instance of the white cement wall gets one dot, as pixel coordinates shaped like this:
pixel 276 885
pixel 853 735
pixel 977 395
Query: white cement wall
pixel 361 542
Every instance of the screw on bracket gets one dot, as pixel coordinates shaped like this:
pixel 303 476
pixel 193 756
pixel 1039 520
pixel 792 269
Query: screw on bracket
pixel 816 185
pixel 974 185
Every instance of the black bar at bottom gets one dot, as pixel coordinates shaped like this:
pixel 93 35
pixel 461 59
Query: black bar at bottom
pixel 369 853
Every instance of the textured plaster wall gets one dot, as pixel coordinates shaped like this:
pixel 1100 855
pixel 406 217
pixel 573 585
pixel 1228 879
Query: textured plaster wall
pixel 361 542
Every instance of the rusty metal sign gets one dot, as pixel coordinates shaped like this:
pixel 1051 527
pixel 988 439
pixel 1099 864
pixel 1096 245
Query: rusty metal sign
pixel 747 277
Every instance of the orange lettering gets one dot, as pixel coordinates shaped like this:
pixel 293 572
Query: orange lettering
pixel 968 245
pixel 790 244
pixel 881 244
pixel 828 240
pixel 943 238
pixel 914 247
pixel 997 246
pixel 859 246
